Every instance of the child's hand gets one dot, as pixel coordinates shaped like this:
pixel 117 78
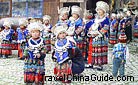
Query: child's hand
pixel 123 61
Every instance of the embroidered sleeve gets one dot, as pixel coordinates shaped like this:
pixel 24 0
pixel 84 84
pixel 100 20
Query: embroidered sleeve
pixel 104 29
pixel 43 51
pixel 25 54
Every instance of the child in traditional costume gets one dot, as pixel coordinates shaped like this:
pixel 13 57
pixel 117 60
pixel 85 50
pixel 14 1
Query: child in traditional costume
pixel 88 21
pixel 22 34
pixel 68 58
pixel 122 24
pixel 120 52
pixel 6 36
pixel 135 31
pixel 76 25
pixel 62 21
pixel 34 68
pixel 46 34
pixel 113 29
pixel 98 49
pixel 63 16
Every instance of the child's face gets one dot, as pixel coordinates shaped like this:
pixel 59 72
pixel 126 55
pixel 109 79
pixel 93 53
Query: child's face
pixel 21 26
pixel 75 16
pixel 61 35
pixel 65 16
pixel 35 34
pixel 46 22
pixel 100 12
pixel 6 27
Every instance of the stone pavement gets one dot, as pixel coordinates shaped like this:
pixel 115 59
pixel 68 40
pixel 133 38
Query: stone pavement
pixel 11 70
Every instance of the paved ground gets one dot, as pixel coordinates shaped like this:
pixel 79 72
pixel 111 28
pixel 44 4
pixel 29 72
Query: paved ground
pixel 11 70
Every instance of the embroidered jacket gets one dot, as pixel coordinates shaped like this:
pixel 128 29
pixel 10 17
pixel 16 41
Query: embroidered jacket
pixel 7 34
pixel 101 25
pixel 21 35
pixel 33 47
pixel 61 50
pixel 61 22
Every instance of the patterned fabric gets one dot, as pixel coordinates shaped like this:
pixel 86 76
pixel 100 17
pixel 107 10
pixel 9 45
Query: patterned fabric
pixel 80 40
pixel 122 25
pixel 113 32
pixel 34 66
pixel 73 66
pixel 5 49
pixel 21 40
pixel 21 35
pixel 78 23
pixel 60 23
pixel 86 43
pixel 81 44
pixel 63 70
pixel 97 54
pixel 61 50
pixel 87 26
pixel 7 34
pixel 119 51
pixel 47 37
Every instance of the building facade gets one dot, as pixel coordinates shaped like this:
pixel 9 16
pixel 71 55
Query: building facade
pixel 38 8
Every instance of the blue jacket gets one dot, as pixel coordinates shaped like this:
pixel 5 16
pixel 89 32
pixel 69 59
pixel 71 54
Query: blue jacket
pixel 87 26
pixel 9 34
pixel 21 34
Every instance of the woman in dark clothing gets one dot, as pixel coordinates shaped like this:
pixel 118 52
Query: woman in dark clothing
pixel 77 60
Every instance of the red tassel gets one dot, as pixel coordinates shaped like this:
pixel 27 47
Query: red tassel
pixel 90 52
pixel 55 70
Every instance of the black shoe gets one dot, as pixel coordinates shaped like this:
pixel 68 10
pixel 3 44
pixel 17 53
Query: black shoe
pixel 100 68
pixel 20 58
pixel 88 66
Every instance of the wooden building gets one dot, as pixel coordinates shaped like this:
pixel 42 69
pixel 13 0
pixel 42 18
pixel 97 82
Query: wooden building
pixel 38 8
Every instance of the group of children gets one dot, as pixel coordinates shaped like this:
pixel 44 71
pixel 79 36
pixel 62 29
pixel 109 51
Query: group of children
pixel 76 40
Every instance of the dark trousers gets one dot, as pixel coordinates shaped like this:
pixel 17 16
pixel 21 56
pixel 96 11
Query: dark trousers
pixel 128 32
